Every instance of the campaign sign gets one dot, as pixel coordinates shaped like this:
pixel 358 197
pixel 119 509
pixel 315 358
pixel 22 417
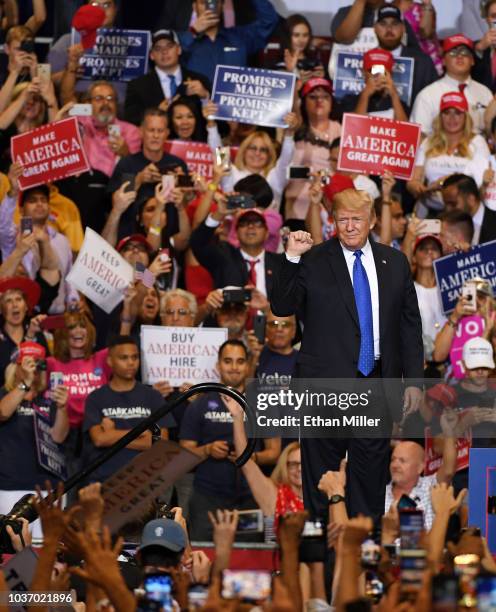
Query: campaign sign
pixel 50 457
pixel 349 79
pixel 482 493
pixel 434 455
pixel 452 271
pixel 100 273
pixel 130 491
pixel 49 153
pixel 118 55
pixel 253 95
pixel 468 327
pixel 365 40
pixel 19 573
pixel 198 156
pixel 180 354
pixel 371 145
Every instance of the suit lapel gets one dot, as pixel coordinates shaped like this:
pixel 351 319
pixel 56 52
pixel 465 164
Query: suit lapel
pixel 340 270
pixel 156 91
pixel 382 266
pixel 268 272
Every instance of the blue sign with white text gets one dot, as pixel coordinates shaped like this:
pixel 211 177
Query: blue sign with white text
pixel 348 79
pixel 50 456
pixel 118 55
pixel 253 95
pixel 454 270
pixel 482 493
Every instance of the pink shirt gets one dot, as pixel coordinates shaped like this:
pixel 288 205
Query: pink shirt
pixel 95 142
pixel 81 376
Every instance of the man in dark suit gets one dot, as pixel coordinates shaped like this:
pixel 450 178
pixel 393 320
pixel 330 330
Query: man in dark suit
pixel 358 306
pixel 484 69
pixel 461 192
pixel 249 264
pixel 164 81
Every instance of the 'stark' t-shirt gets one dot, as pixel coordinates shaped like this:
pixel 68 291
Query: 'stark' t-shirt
pixel 127 409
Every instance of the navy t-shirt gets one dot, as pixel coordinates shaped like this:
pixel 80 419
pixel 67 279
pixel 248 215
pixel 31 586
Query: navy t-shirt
pixel 19 468
pixel 271 363
pixel 206 420
pixel 127 409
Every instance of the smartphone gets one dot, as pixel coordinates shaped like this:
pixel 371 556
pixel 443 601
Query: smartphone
pixel 486 593
pixel 313 529
pixel 250 521
pixel 247 585
pixel 298 172
pixel 406 503
pixel 56 380
pixel 81 110
pixel 430 226
pixel 197 596
pixel 242 201
pixel 185 181
pixel 158 587
pixel 139 270
pixel 411 527
pixel 128 177
pixel 259 324
pixel 168 184
pixel 307 64
pixel 211 5
pixel 53 322
pixel 26 226
pixel 236 296
pixel 114 130
pixel 44 72
pixel 445 593
pixel 223 157
pixel 325 176
pixel 27 46
pixel 378 69
pixel 469 293
pixel 412 568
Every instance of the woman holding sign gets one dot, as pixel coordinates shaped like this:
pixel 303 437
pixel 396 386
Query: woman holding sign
pixel 451 148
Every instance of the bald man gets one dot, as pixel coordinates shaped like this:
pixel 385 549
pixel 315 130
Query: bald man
pixel 406 467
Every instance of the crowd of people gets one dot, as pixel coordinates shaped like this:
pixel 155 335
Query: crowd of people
pixel 70 371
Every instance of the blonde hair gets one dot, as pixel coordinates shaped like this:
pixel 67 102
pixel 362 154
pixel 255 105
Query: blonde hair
pixel 280 473
pixel 353 199
pixel 437 143
pixel 240 156
pixel 10 379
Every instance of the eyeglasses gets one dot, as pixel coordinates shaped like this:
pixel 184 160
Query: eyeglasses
pixel 182 312
pixel 294 465
pixel 108 98
pixel 103 5
pixel 463 51
pixel 282 324
pixel 255 149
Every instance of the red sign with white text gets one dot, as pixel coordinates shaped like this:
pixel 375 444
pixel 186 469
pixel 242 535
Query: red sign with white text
pixel 434 457
pixel 49 153
pixel 197 156
pixel 371 145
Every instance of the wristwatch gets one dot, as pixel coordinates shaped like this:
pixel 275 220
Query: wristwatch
pixel 335 499
pixel 22 386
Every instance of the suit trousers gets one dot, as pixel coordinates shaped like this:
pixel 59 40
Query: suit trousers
pixel 367 469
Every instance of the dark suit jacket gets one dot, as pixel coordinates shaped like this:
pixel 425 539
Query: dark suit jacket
pixel 488 229
pixel 176 14
pixel 424 72
pixel 146 92
pixel 320 292
pixel 482 70
pixel 225 262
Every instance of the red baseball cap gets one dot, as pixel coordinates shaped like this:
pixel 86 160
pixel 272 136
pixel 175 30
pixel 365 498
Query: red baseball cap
pixel 30 349
pixel 338 183
pixel 457 40
pixel 254 213
pixel 423 237
pixel 134 238
pixel 454 99
pixel 312 84
pixel 29 288
pixel 86 21
pixel 380 57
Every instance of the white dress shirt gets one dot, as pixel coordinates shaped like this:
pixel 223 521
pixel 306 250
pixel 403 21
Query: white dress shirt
pixel 259 269
pixel 369 265
pixel 477 219
pixel 426 105
pixel 164 78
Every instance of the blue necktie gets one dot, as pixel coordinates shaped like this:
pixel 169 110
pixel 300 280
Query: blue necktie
pixel 363 301
pixel 172 85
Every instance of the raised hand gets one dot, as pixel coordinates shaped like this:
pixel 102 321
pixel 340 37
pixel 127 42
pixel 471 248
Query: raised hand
pixel 298 243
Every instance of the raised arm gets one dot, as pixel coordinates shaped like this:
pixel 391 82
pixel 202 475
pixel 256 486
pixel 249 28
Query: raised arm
pixel 348 29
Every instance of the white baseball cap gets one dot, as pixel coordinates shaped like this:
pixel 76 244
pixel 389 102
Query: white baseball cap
pixel 478 353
